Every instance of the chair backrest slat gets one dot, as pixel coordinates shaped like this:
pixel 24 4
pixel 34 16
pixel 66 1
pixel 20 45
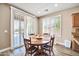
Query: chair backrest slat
pixel 52 41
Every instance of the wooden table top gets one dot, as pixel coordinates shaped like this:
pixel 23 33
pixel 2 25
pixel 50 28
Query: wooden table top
pixel 40 40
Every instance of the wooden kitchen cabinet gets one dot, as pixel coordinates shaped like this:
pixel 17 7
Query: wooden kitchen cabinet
pixel 75 32
pixel 75 19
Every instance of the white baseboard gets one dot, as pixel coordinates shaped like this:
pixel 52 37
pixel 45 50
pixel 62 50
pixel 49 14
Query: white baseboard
pixel 59 43
pixel 5 49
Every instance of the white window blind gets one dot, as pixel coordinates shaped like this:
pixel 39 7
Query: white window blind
pixel 52 25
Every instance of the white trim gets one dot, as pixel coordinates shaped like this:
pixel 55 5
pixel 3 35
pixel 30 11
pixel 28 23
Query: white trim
pixel 5 49
pixel 12 27
pixel 59 43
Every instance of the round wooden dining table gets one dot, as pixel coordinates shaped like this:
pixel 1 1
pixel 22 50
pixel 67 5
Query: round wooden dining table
pixel 39 41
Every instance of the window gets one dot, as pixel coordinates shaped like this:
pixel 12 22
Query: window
pixel 52 25
pixel 31 25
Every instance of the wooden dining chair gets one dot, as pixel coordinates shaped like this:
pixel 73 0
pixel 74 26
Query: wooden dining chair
pixel 30 49
pixel 49 47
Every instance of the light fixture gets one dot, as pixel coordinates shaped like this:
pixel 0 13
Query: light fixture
pixel 56 5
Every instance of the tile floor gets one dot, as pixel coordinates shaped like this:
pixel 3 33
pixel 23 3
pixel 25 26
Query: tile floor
pixel 58 50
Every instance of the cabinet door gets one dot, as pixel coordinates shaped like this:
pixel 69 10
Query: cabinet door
pixel 75 46
pixel 76 20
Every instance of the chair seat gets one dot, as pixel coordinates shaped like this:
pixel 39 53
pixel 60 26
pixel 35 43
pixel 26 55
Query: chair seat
pixel 46 47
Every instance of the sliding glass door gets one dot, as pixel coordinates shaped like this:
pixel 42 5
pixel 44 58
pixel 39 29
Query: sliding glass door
pixel 22 32
pixel 17 28
pixel 18 33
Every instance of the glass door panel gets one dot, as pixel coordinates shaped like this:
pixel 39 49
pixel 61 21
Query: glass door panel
pixel 22 32
pixel 16 33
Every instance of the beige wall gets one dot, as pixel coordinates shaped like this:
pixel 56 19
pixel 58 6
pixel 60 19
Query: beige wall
pixel 4 25
pixel 66 16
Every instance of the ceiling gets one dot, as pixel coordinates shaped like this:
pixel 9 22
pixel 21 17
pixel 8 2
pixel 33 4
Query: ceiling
pixel 41 9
